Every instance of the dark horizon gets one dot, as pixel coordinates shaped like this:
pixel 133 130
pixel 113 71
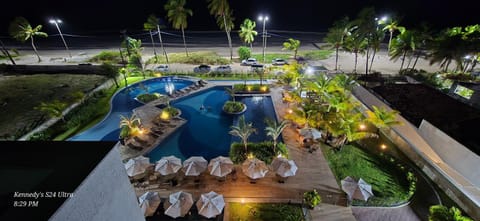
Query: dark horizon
pixel 110 17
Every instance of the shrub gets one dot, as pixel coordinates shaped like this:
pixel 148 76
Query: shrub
pixel 244 52
pixel 252 88
pixel 107 57
pixel 312 198
pixel 442 213
pixel 233 107
pixel 262 151
pixel 171 111
pixel 145 98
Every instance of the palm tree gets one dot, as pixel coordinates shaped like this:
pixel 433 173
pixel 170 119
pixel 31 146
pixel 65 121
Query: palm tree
pixel 53 109
pixel 391 25
pixel 124 72
pixel 110 71
pixel 247 32
pixel 21 30
pixel 131 122
pixel 243 130
pixel 177 15
pixel 221 10
pixel 382 118
pixel 231 91
pixel 355 44
pixel 347 129
pixel 376 40
pixel 292 45
pixel 336 36
pixel 6 53
pixel 366 28
pixel 150 25
pixel 274 130
pixel 401 46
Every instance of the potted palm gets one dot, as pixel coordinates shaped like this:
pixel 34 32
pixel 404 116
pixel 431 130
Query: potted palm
pixel 312 198
pixel 233 107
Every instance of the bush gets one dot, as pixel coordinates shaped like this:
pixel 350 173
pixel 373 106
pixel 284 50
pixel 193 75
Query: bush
pixel 171 111
pixel 252 88
pixel 107 57
pixel 233 107
pixel 262 151
pixel 442 213
pixel 244 52
pixel 312 198
pixel 145 98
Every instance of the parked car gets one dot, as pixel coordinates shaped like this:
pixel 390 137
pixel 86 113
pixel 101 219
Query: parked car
pixel 257 67
pixel 161 68
pixel 249 61
pixel 223 69
pixel 279 61
pixel 203 68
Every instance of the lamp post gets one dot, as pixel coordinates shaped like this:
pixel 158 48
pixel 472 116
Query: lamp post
pixel 56 22
pixel 264 35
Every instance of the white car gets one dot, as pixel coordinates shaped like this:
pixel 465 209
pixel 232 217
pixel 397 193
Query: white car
pixel 249 61
pixel 279 61
pixel 162 68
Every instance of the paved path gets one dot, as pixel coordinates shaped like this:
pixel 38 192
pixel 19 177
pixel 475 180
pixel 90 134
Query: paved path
pixel 403 213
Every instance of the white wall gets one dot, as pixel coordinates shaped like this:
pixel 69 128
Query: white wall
pixel 106 194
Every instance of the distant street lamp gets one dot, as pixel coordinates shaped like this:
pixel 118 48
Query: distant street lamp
pixel 56 22
pixel 264 35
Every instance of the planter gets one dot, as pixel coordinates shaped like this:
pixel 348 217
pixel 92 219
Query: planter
pixel 237 113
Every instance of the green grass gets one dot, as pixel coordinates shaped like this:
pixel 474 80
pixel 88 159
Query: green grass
pixel 265 212
pixel 389 184
pixel 270 56
pixel 19 95
pixel 107 57
pixel 315 54
pixel 199 57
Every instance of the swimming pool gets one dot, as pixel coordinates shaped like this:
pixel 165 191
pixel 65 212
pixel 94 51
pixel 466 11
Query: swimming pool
pixel 206 131
pixel 123 102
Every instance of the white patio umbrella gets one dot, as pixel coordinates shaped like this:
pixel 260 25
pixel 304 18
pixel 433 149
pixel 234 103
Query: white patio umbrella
pixel 136 166
pixel 168 165
pixel 311 133
pixel 194 166
pixel 210 204
pixel 254 168
pixel 220 166
pixel 149 203
pixel 180 204
pixel 360 189
pixel 284 167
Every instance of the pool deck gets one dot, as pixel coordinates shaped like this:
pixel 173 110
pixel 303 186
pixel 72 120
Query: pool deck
pixel 313 173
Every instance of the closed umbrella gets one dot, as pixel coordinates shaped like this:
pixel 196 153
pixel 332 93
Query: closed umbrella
pixel 311 133
pixel 284 167
pixel 220 166
pixel 360 189
pixel 168 165
pixel 137 166
pixel 254 168
pixel 149 203
pixel 210 204
pixel 194 166
pixel 180 204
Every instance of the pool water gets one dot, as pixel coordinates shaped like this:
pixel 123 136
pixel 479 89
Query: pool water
pixel 206 131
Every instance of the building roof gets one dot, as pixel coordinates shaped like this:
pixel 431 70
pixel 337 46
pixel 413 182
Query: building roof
pixel 52 169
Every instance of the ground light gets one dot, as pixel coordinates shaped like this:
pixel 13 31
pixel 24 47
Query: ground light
pixel 383 146
pixel 56 22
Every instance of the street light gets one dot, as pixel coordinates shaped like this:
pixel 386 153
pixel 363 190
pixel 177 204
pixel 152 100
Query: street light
pixel 56 22
pixel 264 35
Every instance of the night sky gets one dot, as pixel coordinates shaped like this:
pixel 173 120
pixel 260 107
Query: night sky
pixel 110 16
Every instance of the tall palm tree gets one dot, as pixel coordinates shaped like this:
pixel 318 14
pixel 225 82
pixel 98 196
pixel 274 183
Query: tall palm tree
pixel 375 41
pixel 292 45
pixel 243 130
pixel 366 28
pixel 382 118
pixel 21 30
pixel 355 44
pixel 177 14
pixel 150 25
pixel 247 32
pixel 6 53
pixel 403 44
pixel 336 36
pixel 274 130
pixel 231 92
pixel 221 10
pixel 391 25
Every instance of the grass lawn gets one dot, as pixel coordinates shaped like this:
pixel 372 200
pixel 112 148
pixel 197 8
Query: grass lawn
pixel 198 57
pixel 389 184
pixel 265 212
pixel 315 54
pixel 270 56
pixel 19 95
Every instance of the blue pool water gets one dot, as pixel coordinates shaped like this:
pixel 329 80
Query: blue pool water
pixel 123 102
pixel 206 132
